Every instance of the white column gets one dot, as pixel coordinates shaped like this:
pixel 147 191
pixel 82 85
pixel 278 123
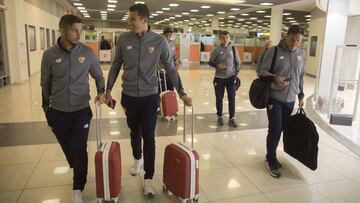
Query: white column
pixel 16 43
pixel 215 24
pixel 276 22
pixel 186 27
pixel 335 30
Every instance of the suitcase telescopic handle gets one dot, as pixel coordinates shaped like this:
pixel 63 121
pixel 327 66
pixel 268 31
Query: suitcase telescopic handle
pixel 192 126
pixel 98 133
pixel 159 74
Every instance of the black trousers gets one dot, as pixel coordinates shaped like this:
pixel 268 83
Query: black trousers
pixel 220 84
pixel 141 116
pixel 71 130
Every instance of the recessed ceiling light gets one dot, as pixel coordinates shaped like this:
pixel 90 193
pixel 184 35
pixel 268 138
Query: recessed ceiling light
pixel 174 5
pixel 171 18
pixel 165 9
pixel 192 18
pixel 295 23
pixel 245 14
pixel 286 14
pixel 260 21
pixel 205 6
pixel 78 4
pixel 194 10
pixel 260 11
pixel 103 11
pixel 139 2
pixel 178 16
pixel 186 20
pixel 203 21
pixel 235 9
pixel 112 1
pixel 292 21
pixel 83 11
pixel 111 6
pixel 231 16
pixel 240 19
pixel 253 18
pixel 240 2
pixel 230 21
pixel 308 19
pixel 248 22
pixel 308 16
pixel 290 18
pixel 81 8
pixel 87 16
pixel 111 9
pixel 267 16
pixel 221 18
pixel 266 4
pixel 154 14
pixel 159 11
pixel 220 12
pixel 209 15
pixel 151 16
pixel 185 13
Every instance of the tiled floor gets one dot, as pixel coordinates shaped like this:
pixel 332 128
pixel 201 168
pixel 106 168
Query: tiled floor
pixel 232 163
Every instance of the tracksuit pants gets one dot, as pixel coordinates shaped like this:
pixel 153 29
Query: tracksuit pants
pixel 278 115
pixel 220 84
pixel 71 130
pixel 141 116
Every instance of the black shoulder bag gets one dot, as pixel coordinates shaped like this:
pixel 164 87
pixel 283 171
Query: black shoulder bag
pixel 259 92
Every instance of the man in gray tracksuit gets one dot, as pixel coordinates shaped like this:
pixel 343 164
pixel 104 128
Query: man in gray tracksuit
pixel 140 51
pixel 65 72
pixel 287 85
pixel 167 33
pixel 226 60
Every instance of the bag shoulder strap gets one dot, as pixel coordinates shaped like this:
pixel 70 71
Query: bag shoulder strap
pixel 273 60
pixel 233 50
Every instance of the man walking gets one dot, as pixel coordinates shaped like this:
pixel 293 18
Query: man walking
pixel 139 51
pixel 65 70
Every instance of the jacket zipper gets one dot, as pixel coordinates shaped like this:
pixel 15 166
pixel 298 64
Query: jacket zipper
pixel 138 67
pixel 69 81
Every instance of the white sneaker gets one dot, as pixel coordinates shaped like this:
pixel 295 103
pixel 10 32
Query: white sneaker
pixel 149 188
pixel 135 168
pixel 77 196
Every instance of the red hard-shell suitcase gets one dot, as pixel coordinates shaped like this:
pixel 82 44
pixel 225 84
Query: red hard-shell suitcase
pixel 181 169
pixel 168 105
pixel 107 166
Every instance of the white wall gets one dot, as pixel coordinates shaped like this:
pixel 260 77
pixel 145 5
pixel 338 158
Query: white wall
pixel 353 30
pixel 39 18
pixel 317 28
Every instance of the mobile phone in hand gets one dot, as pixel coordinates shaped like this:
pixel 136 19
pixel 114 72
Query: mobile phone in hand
pixel 113 104
pixel 287 79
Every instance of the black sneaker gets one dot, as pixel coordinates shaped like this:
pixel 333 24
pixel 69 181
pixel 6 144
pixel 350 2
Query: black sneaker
pixel 273 171
pixel 220 121
pixel 232 123
pixel 278 164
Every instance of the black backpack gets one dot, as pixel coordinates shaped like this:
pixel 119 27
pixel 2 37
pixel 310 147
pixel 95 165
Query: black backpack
pixel 301 139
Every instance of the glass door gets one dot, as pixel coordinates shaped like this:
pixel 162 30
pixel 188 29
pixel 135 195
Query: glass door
pixel 4 78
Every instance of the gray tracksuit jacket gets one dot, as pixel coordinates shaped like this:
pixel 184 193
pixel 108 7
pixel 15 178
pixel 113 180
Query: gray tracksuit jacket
pixel 289 64
pixel 65 77
pixel 226 56
pixel 140 57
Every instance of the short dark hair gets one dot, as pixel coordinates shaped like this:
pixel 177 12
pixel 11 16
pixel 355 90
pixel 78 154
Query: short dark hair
pixel 141 9
pixel 224 32
pixel 167 30
pixel 295 29
pixel 69 19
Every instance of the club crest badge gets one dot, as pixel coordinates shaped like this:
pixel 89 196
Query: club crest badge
pixel 81 59
pixel 151 49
